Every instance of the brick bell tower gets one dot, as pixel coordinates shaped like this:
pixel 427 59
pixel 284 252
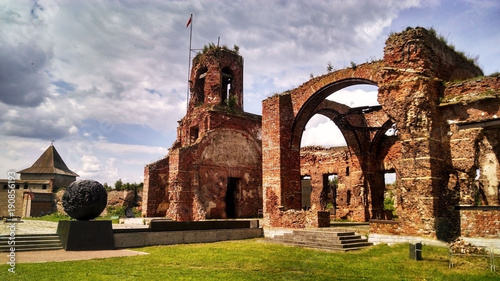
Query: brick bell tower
pixel 216 84
pixel 217 79
pixel 213 170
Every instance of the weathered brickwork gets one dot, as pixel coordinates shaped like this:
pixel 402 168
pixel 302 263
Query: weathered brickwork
pixel 480 223
pixel 319 163
pixel 443 146
pixel 214 168
pixel 446 135
pixel 155 182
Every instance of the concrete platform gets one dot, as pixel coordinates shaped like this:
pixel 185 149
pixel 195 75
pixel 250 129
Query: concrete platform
pixel 148 238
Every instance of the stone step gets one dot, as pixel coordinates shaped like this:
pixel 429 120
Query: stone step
pixel 313 240
pixel 332 243
pixel 47 248
pixel 33 242
pixel 28 236
pixel 324 232
pixel 324 239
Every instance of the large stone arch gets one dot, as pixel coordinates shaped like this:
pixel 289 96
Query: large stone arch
pixel 307 97
pixel 410 81
pixel 285 132
pixel 366 158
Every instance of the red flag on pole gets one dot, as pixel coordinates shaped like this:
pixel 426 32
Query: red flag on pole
pixel 189 21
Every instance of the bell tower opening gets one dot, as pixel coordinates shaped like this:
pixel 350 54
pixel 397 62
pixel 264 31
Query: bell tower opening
pixel 226 89
pixel 199 87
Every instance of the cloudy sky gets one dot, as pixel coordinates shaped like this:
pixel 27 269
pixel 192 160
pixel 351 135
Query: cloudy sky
pixel 106 80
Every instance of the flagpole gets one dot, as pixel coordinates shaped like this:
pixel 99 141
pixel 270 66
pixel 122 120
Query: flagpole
pixel 190 23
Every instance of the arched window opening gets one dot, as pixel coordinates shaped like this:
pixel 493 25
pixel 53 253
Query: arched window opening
pixel 200 86
pixel 194 134
pixel 329 193
pixel 389 194
pixel 227 80
pixel 322 131
pixel 306 192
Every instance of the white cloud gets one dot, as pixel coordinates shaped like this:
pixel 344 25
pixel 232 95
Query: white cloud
pixel 322 132
pixel 73 130
pixel 356 96
pixel 91 166
pixel 117 148
pixel 119 64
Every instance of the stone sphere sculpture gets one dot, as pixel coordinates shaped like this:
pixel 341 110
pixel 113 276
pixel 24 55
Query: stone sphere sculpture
pixel 84 199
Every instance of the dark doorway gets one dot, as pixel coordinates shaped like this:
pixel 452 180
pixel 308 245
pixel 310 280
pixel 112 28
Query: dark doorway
pixel 328 198
pixel 306 192
pixel 231 197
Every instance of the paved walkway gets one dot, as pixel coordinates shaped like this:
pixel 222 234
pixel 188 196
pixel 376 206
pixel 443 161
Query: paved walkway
pixel 47 227
pixel 30 227
pixel 62 255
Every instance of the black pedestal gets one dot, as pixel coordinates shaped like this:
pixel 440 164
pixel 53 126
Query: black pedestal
pixel 86 235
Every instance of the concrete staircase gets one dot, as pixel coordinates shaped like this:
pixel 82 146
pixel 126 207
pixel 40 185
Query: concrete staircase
pixel 326 239
pixel 31 242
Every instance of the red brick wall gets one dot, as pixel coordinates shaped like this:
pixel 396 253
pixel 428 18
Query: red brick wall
pixel 480 222
pixel 155 184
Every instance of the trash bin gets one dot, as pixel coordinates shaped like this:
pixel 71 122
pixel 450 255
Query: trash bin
pixel 416 251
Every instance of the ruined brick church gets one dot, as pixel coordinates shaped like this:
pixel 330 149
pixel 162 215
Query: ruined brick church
pixel 443 148
pixel 213 170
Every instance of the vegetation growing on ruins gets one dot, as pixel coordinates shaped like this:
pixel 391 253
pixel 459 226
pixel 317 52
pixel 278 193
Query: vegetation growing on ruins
pixel 389 202
pixel 212 46
pixel 329 67
pixel 231 104
pixel 443 39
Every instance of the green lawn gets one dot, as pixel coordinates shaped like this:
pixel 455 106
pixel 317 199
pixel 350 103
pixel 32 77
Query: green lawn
pixel 257 260
pixel 56 217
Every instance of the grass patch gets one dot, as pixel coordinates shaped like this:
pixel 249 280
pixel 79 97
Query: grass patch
pixel 54 217
pixel 255 260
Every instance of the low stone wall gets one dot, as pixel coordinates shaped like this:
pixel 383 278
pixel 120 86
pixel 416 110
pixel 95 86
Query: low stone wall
pixel 270 232
pixel 396 239
pixel 133 239
pixel 384 227
pixel 480 221
pixel 490 244
pixel 300 219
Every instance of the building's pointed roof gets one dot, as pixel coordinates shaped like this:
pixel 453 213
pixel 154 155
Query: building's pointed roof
pixel 50 162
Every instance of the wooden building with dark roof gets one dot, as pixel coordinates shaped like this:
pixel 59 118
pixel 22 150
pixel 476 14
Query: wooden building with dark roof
pixel 50 166
pixel 34 190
